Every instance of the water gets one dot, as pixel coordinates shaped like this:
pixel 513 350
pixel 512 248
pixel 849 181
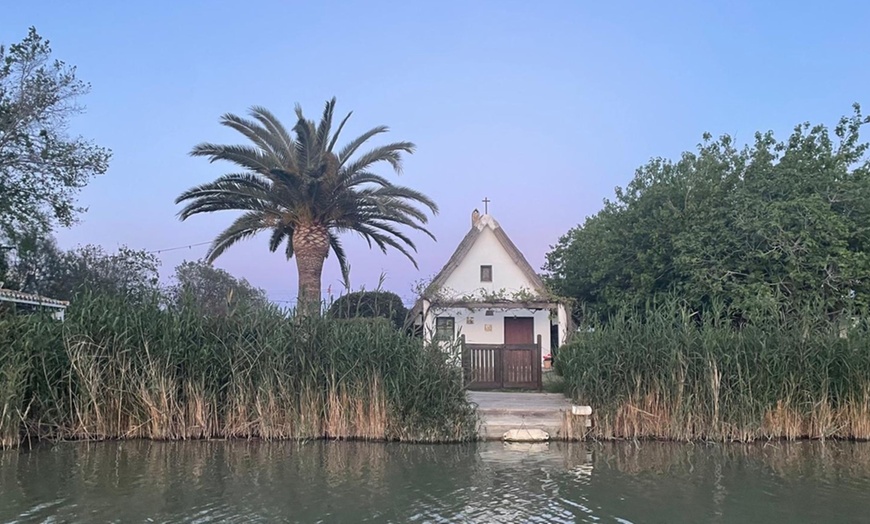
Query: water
pixel 241 481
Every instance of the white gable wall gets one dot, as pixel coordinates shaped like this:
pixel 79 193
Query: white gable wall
pixel 487 250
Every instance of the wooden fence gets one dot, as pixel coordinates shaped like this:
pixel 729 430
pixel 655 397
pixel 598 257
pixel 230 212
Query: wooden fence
pixel 502 366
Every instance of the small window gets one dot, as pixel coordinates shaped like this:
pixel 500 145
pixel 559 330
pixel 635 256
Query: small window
pixel 444 328
pixel 486 273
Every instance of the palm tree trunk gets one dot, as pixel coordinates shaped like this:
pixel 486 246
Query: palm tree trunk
pixel 310 247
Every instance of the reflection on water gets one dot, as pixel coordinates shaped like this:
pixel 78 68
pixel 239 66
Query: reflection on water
pixel 245 481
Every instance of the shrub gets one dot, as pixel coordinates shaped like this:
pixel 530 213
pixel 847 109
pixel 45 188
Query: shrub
pixel 369 304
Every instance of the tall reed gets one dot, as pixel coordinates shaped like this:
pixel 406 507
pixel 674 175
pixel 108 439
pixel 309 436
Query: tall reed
pixel 665 373
pixel 115 370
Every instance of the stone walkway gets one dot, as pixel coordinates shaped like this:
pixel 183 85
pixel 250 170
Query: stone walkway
pixel 493 401
pixel 501 412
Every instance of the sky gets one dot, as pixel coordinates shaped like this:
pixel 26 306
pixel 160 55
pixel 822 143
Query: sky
pixel 541 107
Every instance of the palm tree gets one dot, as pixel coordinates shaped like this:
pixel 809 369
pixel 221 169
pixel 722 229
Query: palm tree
pixel 306 193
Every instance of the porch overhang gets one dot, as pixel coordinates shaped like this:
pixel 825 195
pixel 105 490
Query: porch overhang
pixel 497 304
pixel 17 297
pixel 54 306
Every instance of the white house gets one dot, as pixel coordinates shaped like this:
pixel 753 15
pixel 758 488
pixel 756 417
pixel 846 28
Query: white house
pixel 488 293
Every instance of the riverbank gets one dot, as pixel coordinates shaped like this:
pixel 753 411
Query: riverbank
pixel 118 371
pixel 664 374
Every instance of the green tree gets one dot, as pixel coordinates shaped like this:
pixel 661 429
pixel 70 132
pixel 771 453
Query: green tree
pixel 371 304
pixel 41 168
pixel 213 291
pixel 771 223
pixel 306 192
pixel 39 266
pixel 33 263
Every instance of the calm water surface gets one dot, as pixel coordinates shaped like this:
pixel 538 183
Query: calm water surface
pixel 357 482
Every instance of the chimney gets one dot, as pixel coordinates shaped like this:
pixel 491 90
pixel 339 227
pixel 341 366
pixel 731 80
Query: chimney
pixel 475 217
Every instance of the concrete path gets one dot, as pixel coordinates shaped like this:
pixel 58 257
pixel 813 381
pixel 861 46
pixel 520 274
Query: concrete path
pixel 501 412
pixel 498 401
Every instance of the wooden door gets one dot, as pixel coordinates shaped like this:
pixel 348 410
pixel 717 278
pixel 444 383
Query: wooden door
pixel 518 353
pixel 519 330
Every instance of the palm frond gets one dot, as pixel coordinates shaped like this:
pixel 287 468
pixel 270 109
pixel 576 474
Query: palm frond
pixel 382 241
pixel 404 193
pixel 271 123
pixel 401 213
pixel 338 133
pixel 230 192
pixel 278 236
pixel 351 180
pixel 268 142
pixel 348 150
pixel 304 146
pixel 337 248
pixel 390 153
pixel 244 227
pixel 245 156
pixel 231 182
pixel 392 231
pixel 325 124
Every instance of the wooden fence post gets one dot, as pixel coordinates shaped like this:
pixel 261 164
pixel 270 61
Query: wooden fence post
pixel 498 360
pixel 465 361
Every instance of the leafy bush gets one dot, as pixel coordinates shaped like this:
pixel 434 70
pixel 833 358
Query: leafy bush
pixel 213 291
pixel 369 304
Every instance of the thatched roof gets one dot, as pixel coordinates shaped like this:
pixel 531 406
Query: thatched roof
pixel 481 223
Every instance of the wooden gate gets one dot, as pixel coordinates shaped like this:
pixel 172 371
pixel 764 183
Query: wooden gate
pixel 502 366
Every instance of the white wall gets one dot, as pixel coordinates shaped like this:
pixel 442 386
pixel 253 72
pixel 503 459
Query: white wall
pixel 476 332
pixel 486 251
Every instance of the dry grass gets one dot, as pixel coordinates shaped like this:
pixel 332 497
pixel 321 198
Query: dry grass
pixel 661 374
pixel 653 416
pixel 113 372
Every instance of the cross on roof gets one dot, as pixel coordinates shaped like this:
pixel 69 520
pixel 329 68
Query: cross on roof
pixel 486 202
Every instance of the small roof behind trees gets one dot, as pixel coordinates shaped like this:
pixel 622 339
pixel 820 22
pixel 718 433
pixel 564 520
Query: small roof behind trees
pixel 30 301
pixel 10 295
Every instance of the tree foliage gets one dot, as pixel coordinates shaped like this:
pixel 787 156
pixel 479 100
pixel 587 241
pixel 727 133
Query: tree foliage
pixel 370 304
pixel 306 191
pixel 213 291
pixel 38 266
pixel 41 167
pixel 775 222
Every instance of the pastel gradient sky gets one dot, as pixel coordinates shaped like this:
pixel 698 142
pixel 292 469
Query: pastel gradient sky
pixel 544 107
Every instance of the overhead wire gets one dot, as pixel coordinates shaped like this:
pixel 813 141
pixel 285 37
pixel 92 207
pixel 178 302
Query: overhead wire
pixel 189 246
